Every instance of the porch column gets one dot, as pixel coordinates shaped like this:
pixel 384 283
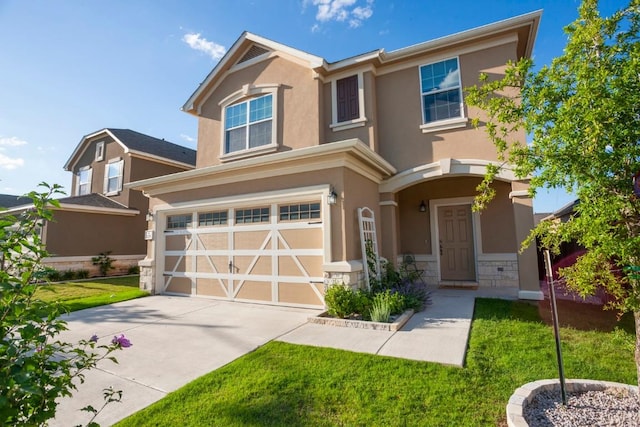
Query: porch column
pixel 527 260
pixel 389 227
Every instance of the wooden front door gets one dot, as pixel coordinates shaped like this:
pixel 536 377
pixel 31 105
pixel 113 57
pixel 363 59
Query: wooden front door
pixel 455 231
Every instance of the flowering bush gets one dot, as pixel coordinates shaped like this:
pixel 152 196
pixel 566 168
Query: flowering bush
pixel 36 367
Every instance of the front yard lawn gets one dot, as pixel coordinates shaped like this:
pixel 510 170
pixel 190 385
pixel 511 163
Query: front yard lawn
pixel 92 293
pixel 285 384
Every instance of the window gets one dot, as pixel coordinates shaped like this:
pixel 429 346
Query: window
pixel 347 99
pixel 441 91
pixel 113 176
pixel 99 151
pixel 248 216
pixel 212 218
pixel 83 184
pixel 300 211
pixel 249 124
pixel 178 221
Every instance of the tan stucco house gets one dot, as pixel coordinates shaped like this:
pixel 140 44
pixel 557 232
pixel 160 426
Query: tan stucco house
pixel 281 131
pixel 101 214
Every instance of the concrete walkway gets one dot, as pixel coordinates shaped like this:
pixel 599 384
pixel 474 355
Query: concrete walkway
pixel 178 339
pixel 437 334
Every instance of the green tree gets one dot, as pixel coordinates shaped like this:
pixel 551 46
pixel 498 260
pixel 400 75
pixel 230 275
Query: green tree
pixel 35 366
pixel 582 113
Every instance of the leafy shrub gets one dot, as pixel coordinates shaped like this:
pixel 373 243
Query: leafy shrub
pixel 416 295
pixel 340 300
pixel 36 368
pixel 104 262
pixel 82 274
pixel 363 300
pixel 134 269
pixel 52 275
pixel 68 275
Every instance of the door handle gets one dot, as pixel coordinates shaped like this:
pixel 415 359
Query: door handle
pixel 230 266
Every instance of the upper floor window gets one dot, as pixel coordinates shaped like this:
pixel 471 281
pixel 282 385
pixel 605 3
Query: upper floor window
pixel 441 91
pixel 83 184
pixel 347 98
pixel 99 151
pixel 347 109
pixel 113 174
pixel 249 124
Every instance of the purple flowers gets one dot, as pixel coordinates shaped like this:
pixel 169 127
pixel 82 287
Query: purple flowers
pixel 121 341
pixel 94 338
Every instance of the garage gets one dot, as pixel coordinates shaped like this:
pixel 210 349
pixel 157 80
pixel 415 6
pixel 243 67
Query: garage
pixel 261 252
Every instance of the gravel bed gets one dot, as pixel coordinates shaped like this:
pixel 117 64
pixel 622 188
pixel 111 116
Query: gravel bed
pixel 609 407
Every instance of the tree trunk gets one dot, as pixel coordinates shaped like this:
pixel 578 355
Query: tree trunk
pixel 636 315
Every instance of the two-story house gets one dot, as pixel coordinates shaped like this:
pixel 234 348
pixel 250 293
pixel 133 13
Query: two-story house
pixel 101 214
pixel 290 146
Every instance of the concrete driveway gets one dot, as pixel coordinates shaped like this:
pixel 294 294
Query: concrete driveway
pixel 175 340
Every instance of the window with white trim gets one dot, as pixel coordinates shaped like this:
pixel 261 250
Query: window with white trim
pixel 206 219
pixel 99 151
pixel 176 222
pixel 347 106
pixel 300 211
pixel 83 183
pixel 113 174
pixel 248 216
pixel 441 91
pixel 248 124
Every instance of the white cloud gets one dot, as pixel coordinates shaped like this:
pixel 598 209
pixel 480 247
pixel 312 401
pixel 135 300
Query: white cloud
pixel 11 142
pixel 187 137
pixel 342 11
pixel 196 42
pixel 451 79
pixel 9 163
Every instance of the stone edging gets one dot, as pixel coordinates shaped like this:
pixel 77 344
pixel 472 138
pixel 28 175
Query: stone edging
pixel 526 393
pixel 321 319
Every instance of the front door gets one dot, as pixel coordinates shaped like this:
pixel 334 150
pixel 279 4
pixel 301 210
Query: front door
pixel 457 258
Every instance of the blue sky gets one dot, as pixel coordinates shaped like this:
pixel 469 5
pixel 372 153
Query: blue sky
pixel 69 68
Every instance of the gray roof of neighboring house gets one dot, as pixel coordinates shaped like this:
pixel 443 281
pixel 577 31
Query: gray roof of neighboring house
pixel 158 147
pixel 94 200
pixel 11 201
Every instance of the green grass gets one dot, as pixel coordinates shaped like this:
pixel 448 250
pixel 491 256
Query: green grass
pixel 86 294
pixel 283 384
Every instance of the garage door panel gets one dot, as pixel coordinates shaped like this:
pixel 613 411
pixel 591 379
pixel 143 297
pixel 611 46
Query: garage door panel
pixel 252 265
pixel 177 242
pixel 212 264
pixel 249 239
pixel 313 265
pixel 180 285
pixel 213 241
pixel 211 287
pixel 178 263
pixel 297 293
pixel 309 238
pixel 254 290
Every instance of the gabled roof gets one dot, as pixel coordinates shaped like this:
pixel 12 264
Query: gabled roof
pixel 142 145
pixel 11 201
pixel 525 26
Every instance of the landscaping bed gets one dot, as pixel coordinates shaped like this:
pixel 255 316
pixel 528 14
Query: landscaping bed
pixel 396 322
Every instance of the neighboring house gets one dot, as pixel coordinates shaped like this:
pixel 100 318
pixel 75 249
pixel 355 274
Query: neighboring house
pixel 282 131
pixel 101 214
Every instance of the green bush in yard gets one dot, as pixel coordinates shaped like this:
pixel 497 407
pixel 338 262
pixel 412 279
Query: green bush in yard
pixel 340 300
pixel 36 368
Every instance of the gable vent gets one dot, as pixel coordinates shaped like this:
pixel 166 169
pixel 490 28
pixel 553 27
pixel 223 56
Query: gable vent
pixel 252 53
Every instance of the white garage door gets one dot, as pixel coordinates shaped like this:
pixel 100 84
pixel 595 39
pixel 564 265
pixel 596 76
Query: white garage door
pixel 268 253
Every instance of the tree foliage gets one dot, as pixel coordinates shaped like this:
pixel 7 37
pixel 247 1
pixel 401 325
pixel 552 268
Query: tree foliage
pixel 36 367
pixel 582 113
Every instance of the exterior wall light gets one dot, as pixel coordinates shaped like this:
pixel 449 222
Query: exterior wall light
pixel 423 206
pixel 332 197
pixel 149 216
